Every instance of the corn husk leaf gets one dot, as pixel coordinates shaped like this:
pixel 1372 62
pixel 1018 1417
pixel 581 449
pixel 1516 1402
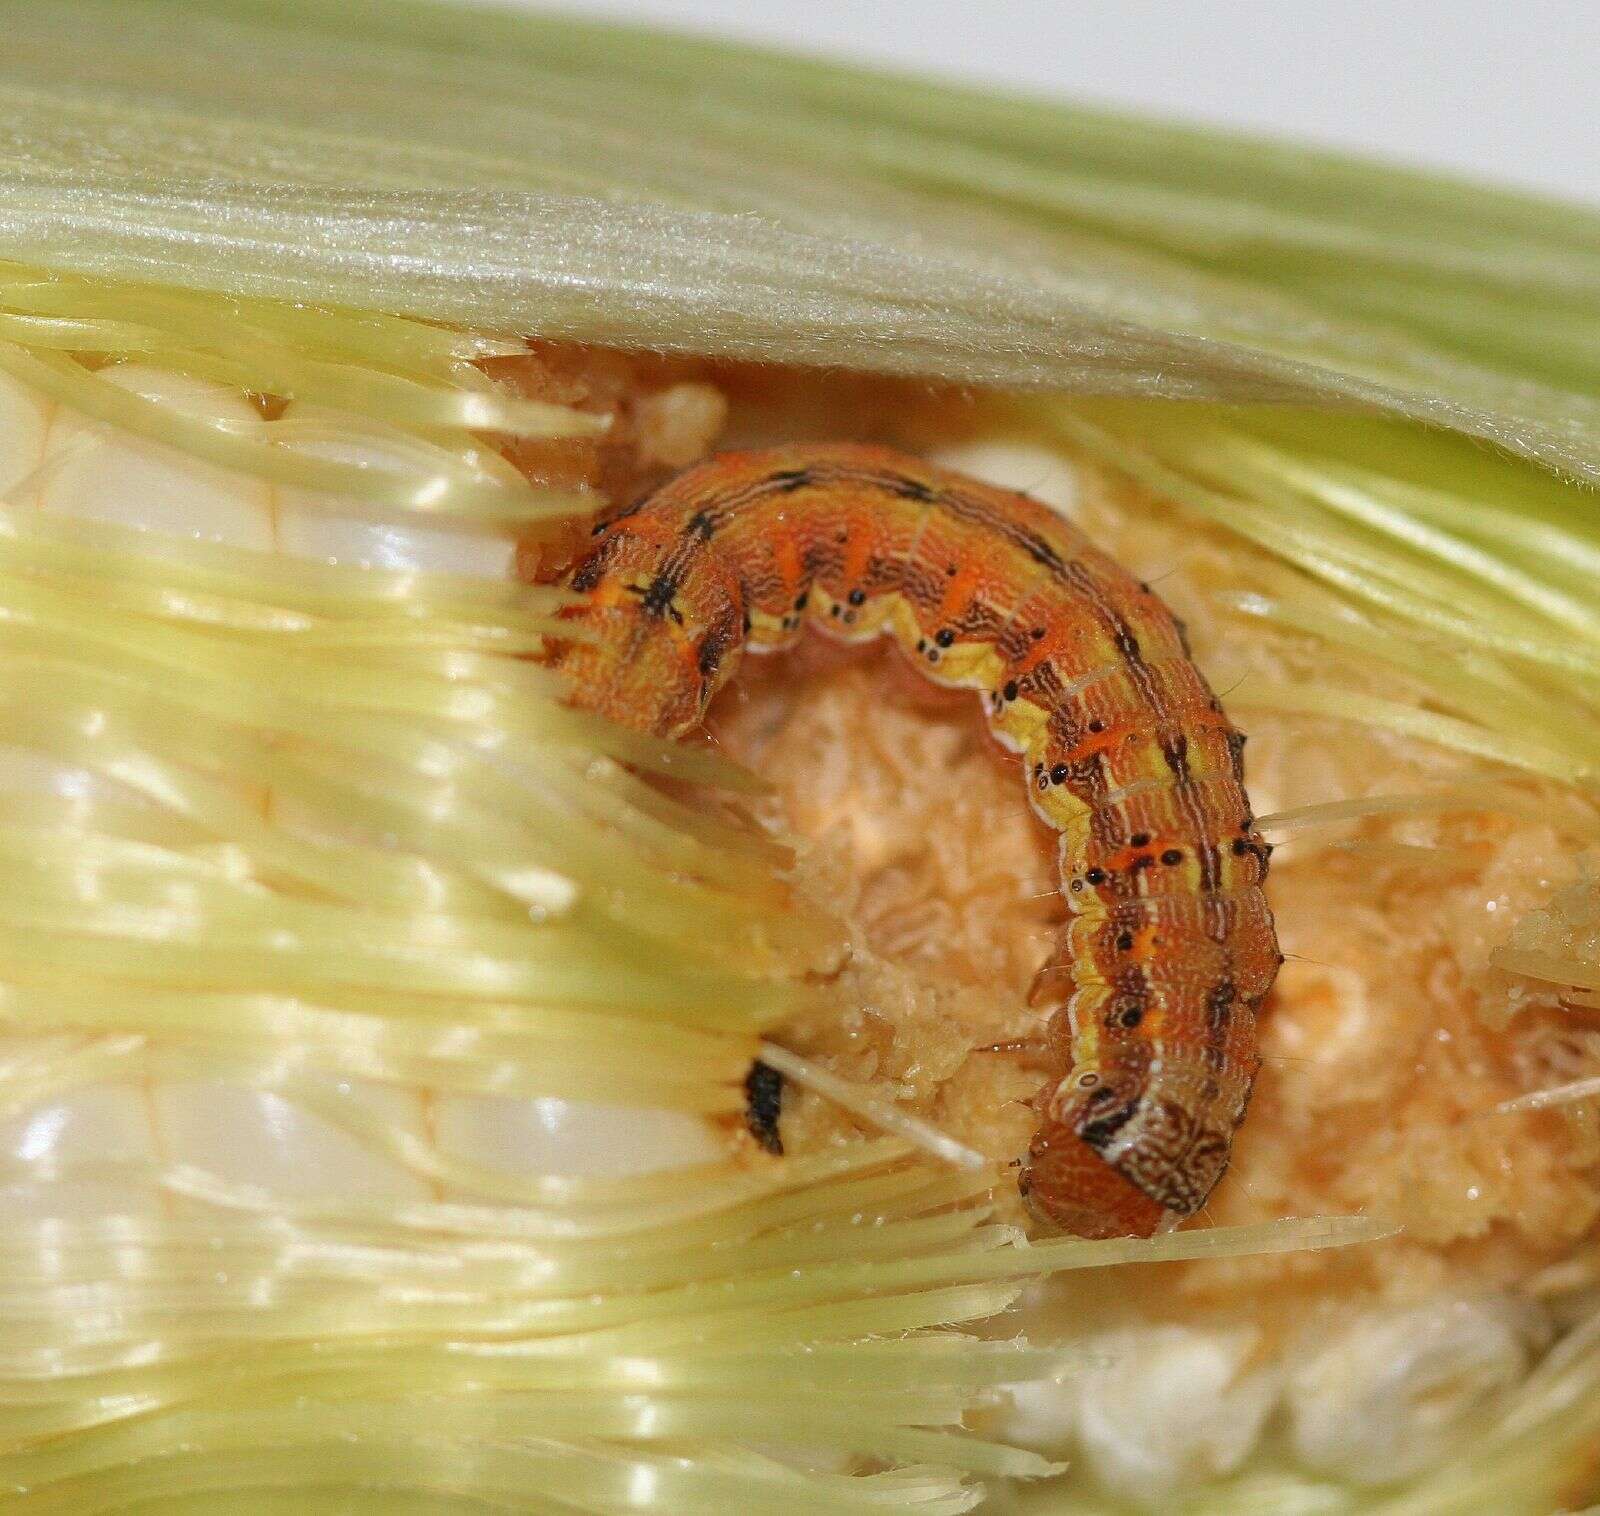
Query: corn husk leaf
pixel 532 173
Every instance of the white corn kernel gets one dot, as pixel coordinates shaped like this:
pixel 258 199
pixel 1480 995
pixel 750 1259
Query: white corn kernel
pixel 1385 1395
pixel 677 425
pixel 338 530
pixel 60 1160
pixel 24 424
pixel 104 475
pixel 260 1139
pixel 1015 465
pixel 574 1138
pixel 1165 1407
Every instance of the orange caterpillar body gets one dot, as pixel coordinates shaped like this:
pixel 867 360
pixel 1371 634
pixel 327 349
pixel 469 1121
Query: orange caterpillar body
pixel 1085 673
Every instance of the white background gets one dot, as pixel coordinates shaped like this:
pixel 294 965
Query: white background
pixel 1506 89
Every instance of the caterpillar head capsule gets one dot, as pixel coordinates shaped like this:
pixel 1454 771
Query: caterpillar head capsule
pixel 1071 1188
pixel 1066 1180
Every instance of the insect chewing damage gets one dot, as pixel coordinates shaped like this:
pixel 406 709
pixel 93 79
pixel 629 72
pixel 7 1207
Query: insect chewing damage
pixel 1129 754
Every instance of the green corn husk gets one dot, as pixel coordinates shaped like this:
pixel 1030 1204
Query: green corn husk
pixel 1391 396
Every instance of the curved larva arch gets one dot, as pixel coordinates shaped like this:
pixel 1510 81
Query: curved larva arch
pixel 1151 1046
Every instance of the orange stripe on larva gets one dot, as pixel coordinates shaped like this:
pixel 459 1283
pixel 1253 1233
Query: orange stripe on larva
pixel 1085 673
